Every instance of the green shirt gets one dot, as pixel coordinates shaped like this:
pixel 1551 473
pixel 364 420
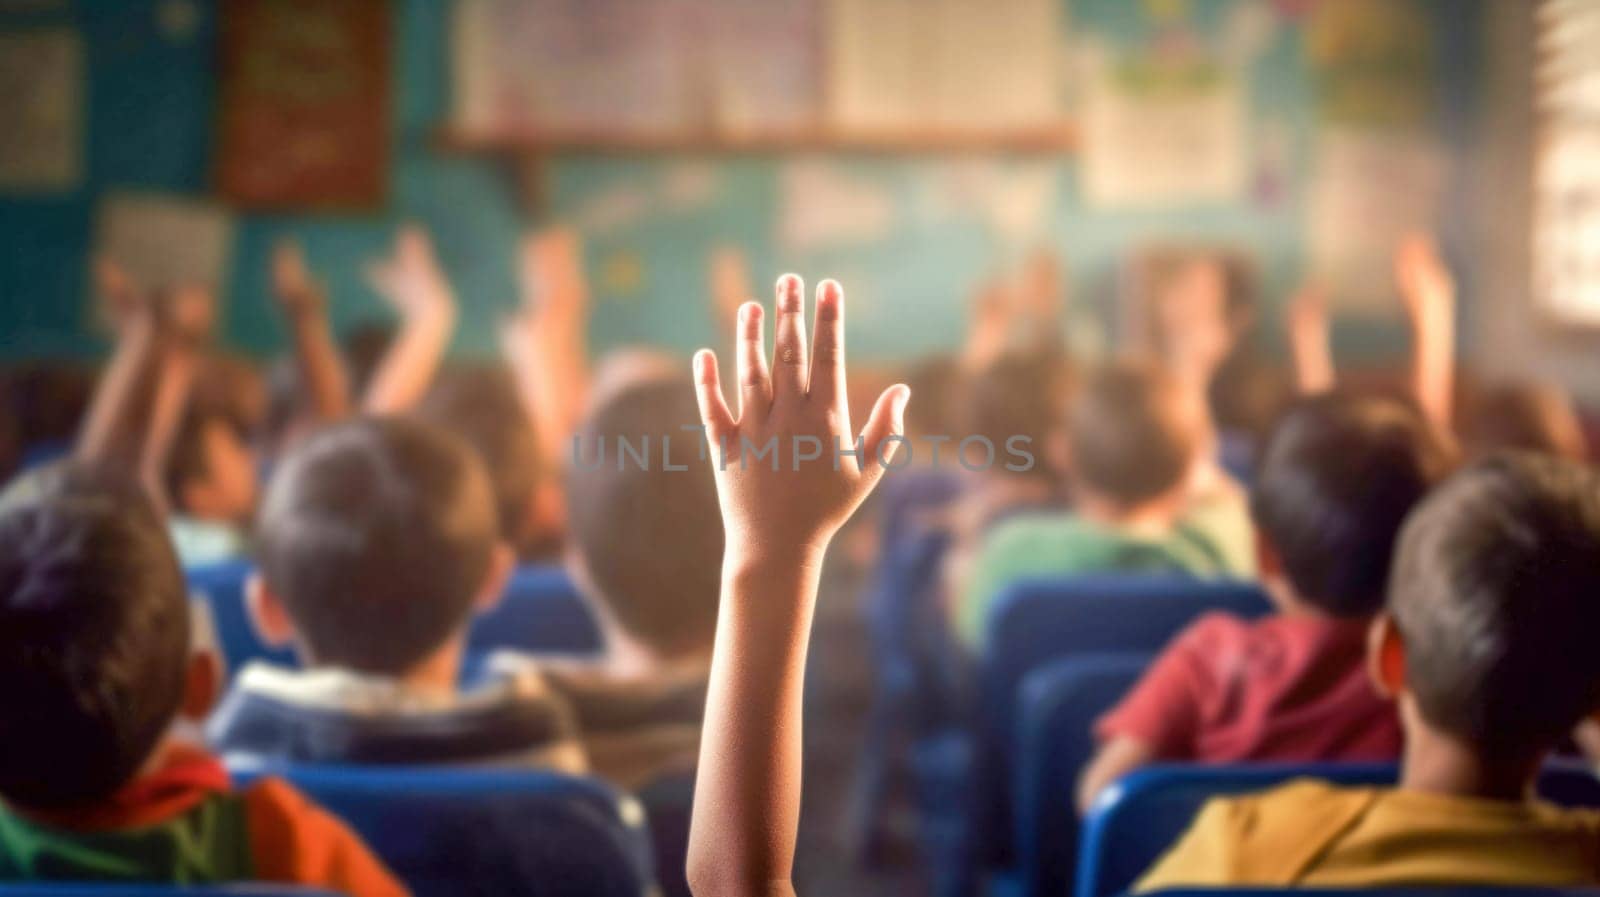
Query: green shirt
pixel 209 843
pixel 1207 543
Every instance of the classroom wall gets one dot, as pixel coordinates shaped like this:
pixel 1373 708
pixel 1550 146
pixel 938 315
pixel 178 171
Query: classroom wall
pixel 151 97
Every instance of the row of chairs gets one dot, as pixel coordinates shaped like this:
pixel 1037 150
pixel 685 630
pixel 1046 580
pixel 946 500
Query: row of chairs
pixel 466 831
pixel 540 613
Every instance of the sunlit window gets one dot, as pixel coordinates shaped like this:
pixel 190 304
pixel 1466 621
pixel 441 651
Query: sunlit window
pixel 1567 176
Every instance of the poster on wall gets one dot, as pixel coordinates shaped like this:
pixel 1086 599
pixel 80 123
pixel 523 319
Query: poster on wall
pixel 41 110
pixel 1368 190
pixel 304 103
pixel 1162 131
pixel 162 241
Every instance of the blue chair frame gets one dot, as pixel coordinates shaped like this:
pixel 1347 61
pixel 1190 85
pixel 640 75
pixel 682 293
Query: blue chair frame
pixel 1378 892
pixel 1135 820
pixel 1059 705
pixel 541 613
pixel 1037 621
pixel 564 834
pixel 128 889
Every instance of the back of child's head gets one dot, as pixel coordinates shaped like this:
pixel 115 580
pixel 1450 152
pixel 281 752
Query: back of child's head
pixel 377 536
pixel 1525 416
pixel 1335 481
pixel 94 636
pixel 1496 596
pixel 1017 395
pixel 935 381
pixel 211 470
pixel 481 405
pixel 1133 433
pixel 648 533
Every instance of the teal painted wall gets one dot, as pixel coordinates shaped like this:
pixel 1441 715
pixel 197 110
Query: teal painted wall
pixel 149 127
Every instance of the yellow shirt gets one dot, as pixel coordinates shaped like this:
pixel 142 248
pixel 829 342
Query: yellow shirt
pixel 1312 833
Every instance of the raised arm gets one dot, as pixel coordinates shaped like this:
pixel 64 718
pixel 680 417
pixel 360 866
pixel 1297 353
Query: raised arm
pixel 778 519
pixel 547 341
pixel 412 281
pixel 108 431
pixel 323 380
pixel 1309 346
pixel 1429 293
pixel 187 318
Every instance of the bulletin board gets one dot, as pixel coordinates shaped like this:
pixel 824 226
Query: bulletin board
pixel 303 116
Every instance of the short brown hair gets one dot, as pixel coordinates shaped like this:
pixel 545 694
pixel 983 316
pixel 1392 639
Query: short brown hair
pixel 1132 431
pixel 649 535
pixel 376 534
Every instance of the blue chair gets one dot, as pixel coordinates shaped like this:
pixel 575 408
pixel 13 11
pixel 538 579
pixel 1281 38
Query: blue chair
pixel 457 832
pixel 1380 893
pixel 668 804
pixel 1035 622
pixel 1135 820
pixel 223 586
pixel 540 613
pixel 119 889
pixel 1059 705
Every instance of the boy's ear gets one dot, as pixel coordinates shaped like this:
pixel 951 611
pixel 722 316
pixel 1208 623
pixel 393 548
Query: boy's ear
pixel 268 617
pixel 1386 656
pixel 502 563
pixel 202 686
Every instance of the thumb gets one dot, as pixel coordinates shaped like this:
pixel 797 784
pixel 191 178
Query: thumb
pixel 886 423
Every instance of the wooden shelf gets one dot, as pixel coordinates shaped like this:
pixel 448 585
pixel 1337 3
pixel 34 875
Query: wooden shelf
pixel 1047 140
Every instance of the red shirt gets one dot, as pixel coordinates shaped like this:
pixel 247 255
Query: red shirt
pixel 1288 688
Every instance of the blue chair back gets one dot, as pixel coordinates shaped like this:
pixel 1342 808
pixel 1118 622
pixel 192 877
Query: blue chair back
pixel 540 613
pixel 120 889
pixel 668 804
pixel 1059 705
pixel 456 832
pixel 1035 622
pixel 223 586
pixel 1134 821
pixel 1519 891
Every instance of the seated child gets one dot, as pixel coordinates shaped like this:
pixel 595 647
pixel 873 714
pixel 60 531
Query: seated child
pixel 481 405
pixel 1486 645
pixel 1134 438
pixel 1527 416
pixel 646 551
pixel 211 479
pixel 94 654
pixel 377 541
pixel 1336 480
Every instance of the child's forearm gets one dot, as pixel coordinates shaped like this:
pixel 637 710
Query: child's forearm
pixel 1433 367
pixel 175 375
pixel 408 367
pixel 322 371
pixel 747 796
pixel 105 434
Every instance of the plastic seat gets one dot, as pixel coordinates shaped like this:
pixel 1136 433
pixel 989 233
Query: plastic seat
pixel 540 613
pixel 1135 820
pixel 1380 892
pixel 120 889
pixel 1036 622
pixel 1059 705
pixel 490 832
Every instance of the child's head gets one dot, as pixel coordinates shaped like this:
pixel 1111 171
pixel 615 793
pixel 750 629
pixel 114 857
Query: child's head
pixel 1527 416
pixel 645 537
pixel 94 637
pixel 212 473
pixel 481 405
pixel 377 539
pixel 1017 395
pixel 1488 638
pixel 1133 436
pixel 1336 479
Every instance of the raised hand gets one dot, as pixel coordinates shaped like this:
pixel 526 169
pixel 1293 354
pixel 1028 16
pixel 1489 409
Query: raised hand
pixel 1193 319
pixel 410 277
pixel 1309 342
pixel 778 515
pixel 799 406
pixel 1429 293
pixel 297 292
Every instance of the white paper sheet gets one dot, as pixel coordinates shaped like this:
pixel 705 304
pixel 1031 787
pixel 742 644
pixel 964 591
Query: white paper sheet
pixel 163 241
